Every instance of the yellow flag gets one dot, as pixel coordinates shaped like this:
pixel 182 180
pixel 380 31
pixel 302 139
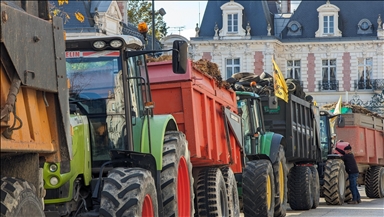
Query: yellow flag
pixel 337 110
pixel 281 88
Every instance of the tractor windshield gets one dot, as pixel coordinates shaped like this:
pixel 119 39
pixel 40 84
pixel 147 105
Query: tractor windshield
pixel 97 91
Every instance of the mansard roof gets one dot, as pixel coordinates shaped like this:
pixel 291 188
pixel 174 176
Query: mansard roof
pixel 351 12
pixel 257 13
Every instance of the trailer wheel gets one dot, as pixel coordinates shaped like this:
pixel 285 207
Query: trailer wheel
pixel 334 182
pixel 211 193
pixel 176 176
pixel 129 192
pixel 315 187
pixel 348 192
pixel 280 173
pixel 300 188
pixel 233 195
pixel 374 182
pixel 258 189
pixel 18 198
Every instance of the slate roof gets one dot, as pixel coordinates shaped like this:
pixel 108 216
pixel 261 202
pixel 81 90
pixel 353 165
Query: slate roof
pixel 258 13
pixel 351 12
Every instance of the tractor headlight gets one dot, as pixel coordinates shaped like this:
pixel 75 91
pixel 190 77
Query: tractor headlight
pixel 99 44
pixel 53 167
pixel 116 43
pixel 53 180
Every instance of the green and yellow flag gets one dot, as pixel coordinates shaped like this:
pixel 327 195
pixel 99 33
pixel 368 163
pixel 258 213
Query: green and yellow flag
pixel 281 88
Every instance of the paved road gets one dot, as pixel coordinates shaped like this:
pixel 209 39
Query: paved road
pixel 367 208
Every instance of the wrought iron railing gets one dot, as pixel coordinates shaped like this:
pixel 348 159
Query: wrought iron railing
pixel 328 85
pixel 376 104
pixel 373 84
pixel 363 85
pixel 378 84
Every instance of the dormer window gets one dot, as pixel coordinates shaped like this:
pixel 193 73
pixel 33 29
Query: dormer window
pixel 294 28
pixel 233 23
pixel 328 21
pixel 364 27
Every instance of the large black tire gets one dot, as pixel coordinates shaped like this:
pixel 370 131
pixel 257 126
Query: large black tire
pixel 315 187
pixel 211 193
pixel 176 173
pixel 374 182
pixel 258 189
pixel 300 188
pixel 280 171
pixel 127 191
pixel 233 195
pixel 18 198
pixel 348 193
pixel 334 182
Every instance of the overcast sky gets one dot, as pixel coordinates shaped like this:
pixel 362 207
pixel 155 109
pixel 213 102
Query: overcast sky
pixel 183 15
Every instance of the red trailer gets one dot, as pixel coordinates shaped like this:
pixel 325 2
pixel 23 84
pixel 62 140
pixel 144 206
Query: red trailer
pixel 207 115
pixel 366 136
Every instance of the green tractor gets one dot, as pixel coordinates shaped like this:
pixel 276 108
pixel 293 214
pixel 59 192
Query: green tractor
pixel 124 160
pixel 263 181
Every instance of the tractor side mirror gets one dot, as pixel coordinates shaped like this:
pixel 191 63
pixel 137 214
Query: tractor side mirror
pixel 179 57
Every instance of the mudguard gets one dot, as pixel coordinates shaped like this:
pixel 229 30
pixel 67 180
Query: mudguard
pixel 158 125
pixel 270 144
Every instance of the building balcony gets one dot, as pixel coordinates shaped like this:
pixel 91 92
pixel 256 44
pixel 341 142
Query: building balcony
pixel 373 84
pixel 328 85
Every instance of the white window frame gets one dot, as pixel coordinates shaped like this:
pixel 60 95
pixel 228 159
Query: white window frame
pixel 364 76
pixel 232 65
pixel 233 24
pixel 292 69
pixel 327 27
pixel 329 68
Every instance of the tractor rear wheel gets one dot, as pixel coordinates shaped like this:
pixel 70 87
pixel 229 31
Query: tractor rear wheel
pixel 280 173
pixel 18 198
pixel 211 194
pixel 233 195
pixel 315 187
pixel 129 192
pixel 334 182
pixel 374 182
pixel 258 189
pixel 300 188
pixel 348 193
pixel 176 176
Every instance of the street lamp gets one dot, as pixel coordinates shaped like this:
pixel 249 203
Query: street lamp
pixel 162 13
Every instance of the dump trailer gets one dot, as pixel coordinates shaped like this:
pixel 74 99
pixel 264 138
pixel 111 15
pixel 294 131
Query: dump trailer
pixel 126 161
pixel 34 104
pixel 366 136
pixel 299 122
pixel 207 114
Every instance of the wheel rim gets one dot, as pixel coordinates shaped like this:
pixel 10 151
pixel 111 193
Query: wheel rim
pixel 281 182
pixel 147 206
pixel 183 189
pixel 342 183
pixel 269 192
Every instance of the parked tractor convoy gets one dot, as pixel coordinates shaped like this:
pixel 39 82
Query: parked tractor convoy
pixel 89 128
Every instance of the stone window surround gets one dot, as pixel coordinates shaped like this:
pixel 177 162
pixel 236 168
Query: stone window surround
pixel 328 9
pixel 232 8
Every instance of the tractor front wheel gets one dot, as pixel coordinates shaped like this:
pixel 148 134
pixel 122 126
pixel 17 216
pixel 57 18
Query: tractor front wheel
pixel 129 192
